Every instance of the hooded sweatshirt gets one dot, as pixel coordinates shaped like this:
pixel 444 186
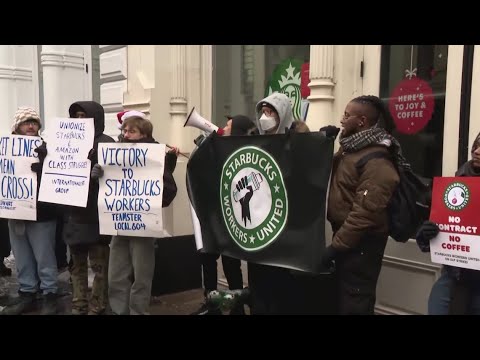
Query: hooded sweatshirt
pixel 282 105
pixel 89 215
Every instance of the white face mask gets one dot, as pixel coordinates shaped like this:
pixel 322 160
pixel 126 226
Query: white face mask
pixel 267 122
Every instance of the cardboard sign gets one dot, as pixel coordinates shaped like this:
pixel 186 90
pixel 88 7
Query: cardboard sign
pixel 131 189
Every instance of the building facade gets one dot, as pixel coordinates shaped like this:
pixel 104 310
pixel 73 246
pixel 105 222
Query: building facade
pixel 167 81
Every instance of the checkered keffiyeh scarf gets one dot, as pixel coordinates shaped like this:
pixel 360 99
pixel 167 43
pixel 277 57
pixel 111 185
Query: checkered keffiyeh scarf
pixel 375 136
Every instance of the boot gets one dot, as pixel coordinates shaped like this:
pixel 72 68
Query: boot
pixel 25 302
pixel 5 300
pixel 79 311
pixel 49 305
pixel 204 309
pixel 207 308
pixel 5 271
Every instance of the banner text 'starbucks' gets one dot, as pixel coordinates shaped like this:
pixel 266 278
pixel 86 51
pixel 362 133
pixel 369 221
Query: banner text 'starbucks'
pixel 253 198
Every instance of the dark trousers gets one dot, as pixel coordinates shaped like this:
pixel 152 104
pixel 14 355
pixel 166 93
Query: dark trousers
pixel 60 246
pixel 270 290
pixel 4 239
pixel 357 274
pixel 231 268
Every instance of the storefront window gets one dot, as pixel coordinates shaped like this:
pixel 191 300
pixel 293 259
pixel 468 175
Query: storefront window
pixel 245 74
pixel 412 85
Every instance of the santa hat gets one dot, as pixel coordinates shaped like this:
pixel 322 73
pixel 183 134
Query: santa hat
pixel 124 115
pixel 23 114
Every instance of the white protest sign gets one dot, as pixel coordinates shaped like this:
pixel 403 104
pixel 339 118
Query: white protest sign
pixel 197 230
pixel 18 184
pixel 131 189
pixel 66 170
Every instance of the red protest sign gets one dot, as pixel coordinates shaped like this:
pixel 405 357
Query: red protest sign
pixel 455 203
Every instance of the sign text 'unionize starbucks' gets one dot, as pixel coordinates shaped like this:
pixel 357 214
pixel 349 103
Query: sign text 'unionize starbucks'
pixel 253 198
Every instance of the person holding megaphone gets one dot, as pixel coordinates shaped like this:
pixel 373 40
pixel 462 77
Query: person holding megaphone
pixel 239 125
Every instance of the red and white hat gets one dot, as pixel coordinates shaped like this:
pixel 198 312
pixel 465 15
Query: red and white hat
pixel 123 115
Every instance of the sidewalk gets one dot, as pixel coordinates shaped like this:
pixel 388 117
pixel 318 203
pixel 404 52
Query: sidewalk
pixel 183 303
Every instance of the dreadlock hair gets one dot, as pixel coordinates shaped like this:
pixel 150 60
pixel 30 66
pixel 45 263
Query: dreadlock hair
pixel 378 114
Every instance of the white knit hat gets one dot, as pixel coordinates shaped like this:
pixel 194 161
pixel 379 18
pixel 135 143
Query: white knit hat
pixel 23 114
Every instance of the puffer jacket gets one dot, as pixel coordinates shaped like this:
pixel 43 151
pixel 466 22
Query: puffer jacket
pixel 358 198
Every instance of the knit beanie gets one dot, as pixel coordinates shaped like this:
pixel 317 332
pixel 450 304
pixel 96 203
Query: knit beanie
pixel 241 124
pixel 23 114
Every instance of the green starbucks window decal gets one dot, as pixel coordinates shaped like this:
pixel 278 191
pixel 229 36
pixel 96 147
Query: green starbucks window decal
pixel 286 79
pixel 253 198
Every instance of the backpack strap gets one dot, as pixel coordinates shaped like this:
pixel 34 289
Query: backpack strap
pixel 373 155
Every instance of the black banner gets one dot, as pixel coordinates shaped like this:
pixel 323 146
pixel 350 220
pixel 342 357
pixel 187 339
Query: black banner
pixel 262 198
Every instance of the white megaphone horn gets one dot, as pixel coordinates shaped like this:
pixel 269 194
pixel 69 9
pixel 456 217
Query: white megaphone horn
pixel 195 120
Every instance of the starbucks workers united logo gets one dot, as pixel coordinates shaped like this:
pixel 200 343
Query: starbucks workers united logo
pixel 456 196
pixel 253 198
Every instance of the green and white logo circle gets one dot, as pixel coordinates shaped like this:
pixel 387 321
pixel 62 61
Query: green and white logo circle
pixel 286 79
pixel 253 198
pixel 456 196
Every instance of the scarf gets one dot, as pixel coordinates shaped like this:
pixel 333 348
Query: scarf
pixel 467 169
pixel 375 136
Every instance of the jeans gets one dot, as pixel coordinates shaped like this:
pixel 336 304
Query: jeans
pixel 33 245
pixel 443 290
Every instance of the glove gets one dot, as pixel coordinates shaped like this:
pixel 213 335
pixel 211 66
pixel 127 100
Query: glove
pixel 427 232
pixel 97 172
pixel 328 257
pixel 330 131
pixel 36 167
pixel 41 151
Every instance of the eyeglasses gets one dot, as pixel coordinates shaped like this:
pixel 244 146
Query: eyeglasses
pixel 268 112
pixel 348 116
pixel 31 122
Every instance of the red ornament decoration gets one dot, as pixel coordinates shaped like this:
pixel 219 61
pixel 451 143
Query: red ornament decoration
pixel 411 105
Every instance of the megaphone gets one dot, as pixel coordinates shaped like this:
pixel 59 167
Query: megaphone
pixel 195 120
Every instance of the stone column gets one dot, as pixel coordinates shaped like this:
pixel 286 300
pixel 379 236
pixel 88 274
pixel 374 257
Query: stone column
pixel 18 85
pixel 320 111
pixel 178 100
pixel 64 78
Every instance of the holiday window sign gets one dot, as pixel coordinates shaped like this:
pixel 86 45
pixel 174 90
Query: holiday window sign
pixel 411 105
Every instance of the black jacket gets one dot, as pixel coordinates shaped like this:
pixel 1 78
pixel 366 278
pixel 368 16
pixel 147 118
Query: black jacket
pixel 89 215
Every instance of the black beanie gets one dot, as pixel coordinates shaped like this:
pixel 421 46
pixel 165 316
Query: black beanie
pixel 241 124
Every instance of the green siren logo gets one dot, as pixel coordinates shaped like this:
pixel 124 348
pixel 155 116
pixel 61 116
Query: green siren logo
pixel 456 196
pixel 286 79
pixel 253 198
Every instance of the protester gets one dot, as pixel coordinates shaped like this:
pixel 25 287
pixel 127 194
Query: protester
pixel 457 290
